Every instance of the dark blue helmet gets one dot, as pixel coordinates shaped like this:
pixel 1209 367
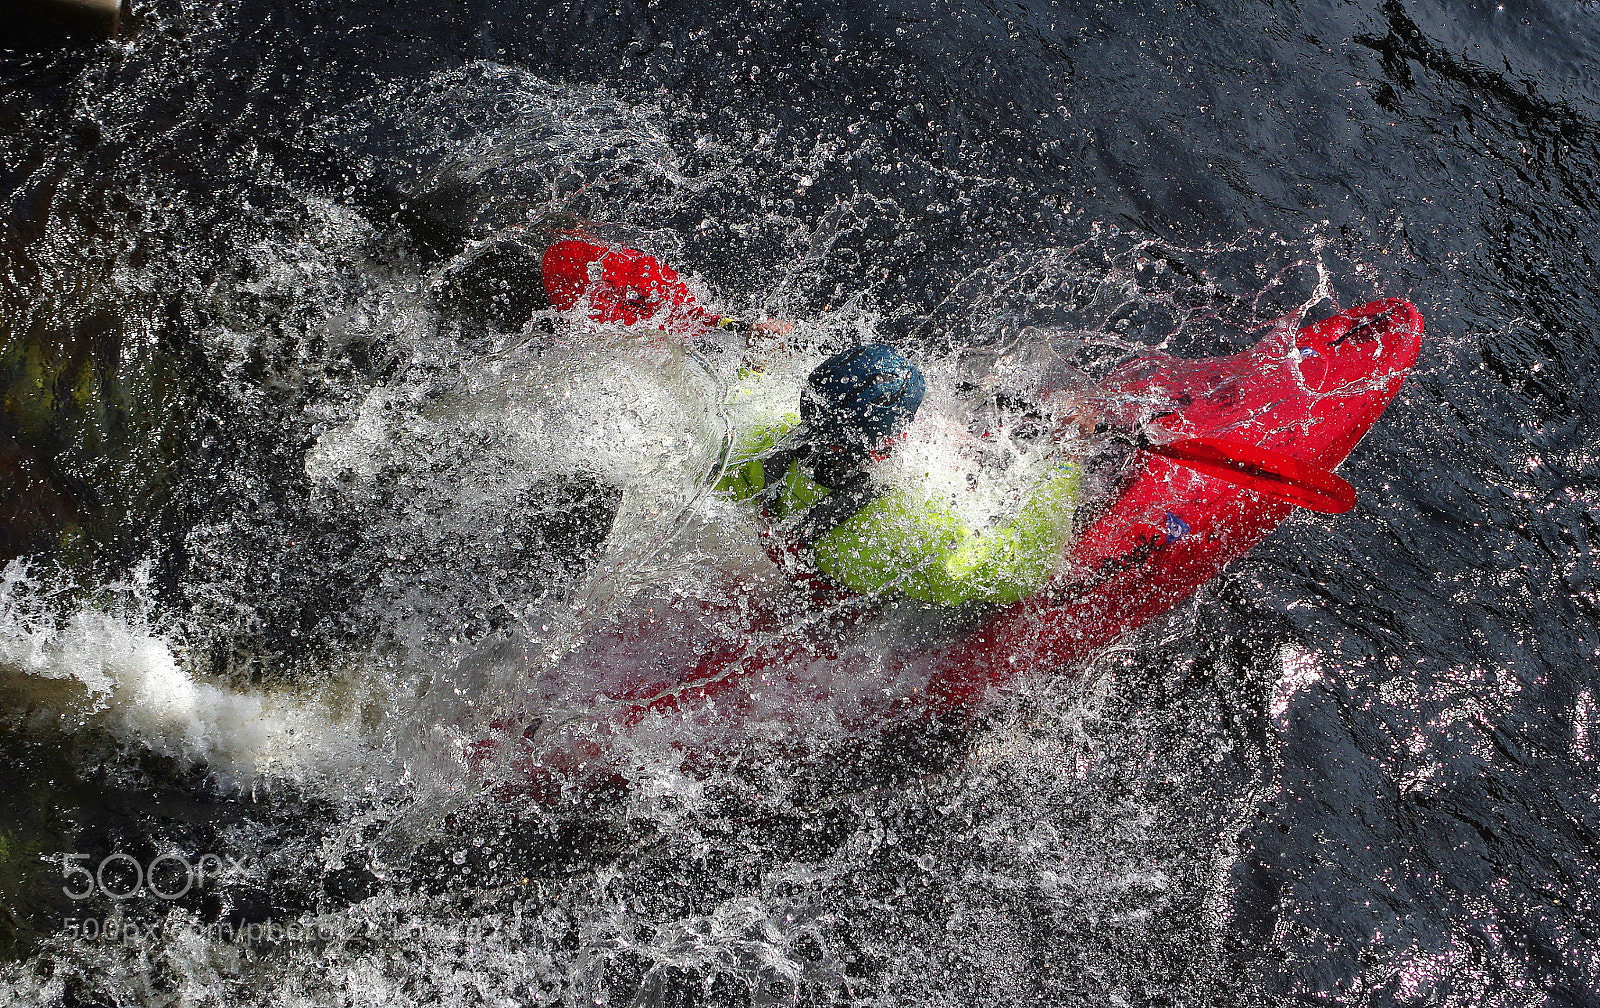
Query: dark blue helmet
pixel 861 397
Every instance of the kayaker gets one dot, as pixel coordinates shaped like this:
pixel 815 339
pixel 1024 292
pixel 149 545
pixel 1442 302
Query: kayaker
pixel 813 475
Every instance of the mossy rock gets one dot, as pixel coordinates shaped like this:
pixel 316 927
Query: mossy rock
pixel 95 420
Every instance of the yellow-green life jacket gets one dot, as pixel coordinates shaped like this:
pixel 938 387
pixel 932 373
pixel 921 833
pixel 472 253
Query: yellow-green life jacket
pixel 905 544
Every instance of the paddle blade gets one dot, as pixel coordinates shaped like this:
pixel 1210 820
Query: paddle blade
pixel 1271 474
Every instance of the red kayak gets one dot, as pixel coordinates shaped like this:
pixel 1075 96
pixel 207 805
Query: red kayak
pixel 1297 398
pixel 1308 395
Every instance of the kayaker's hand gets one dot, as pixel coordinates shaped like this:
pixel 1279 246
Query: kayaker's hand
pixel 765 338
pixel 1077 418
pixel 771 328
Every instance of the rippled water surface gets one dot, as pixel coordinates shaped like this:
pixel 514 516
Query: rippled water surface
pixel 299 512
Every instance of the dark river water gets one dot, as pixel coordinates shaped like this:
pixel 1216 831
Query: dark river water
pixel 288 521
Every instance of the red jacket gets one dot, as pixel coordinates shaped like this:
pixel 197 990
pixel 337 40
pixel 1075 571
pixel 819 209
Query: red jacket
pixel 622 286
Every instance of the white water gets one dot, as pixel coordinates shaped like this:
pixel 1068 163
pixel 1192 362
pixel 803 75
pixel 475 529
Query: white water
pixel 104 665
pixel 435 458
